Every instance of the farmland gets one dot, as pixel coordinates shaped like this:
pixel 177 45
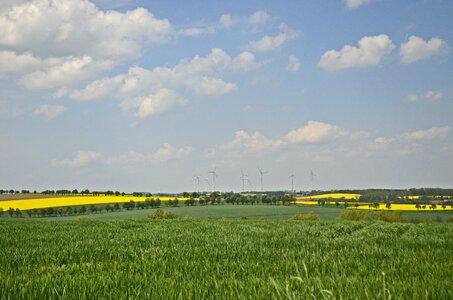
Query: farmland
pixel 26 204
pixel 248 259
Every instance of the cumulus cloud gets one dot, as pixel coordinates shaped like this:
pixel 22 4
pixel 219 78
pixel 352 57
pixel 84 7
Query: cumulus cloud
pixel 226 21
pixel 67 28
pixel 432 133
pixel 161 102
pixel 293 64
pixel 197 31
pixel 66 73
pixel 417 48
pixel 199 75
pixel 269 43
pixel 14 63
pixel 351 4
pixel 253 142
pixel 370 51
pixel 168 152
pixel 49 112
pixel 428 96
pixel 314 132
pixel 82 158
pixel 208 86
pixel 409 142
pixel 259 18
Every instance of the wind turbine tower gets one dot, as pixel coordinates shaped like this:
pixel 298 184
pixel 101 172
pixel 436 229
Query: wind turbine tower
pixel 208 184
pixel 262 173
pixel 214 175
pixel 244 179
pixel 312 175
pixel 197 179
pixel 292 182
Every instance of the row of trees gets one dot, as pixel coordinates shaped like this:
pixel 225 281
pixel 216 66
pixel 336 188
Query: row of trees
pixel 72 192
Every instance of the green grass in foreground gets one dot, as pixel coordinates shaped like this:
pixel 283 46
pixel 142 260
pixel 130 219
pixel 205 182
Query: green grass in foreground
pixel 224 259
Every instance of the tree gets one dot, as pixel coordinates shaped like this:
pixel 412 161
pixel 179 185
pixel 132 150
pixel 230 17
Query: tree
pixel 116 206
pixel 388 205
pixel 10 211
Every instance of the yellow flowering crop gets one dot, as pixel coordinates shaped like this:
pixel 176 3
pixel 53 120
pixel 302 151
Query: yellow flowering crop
pixel 73 200
pixel 331 195
pixel 405 207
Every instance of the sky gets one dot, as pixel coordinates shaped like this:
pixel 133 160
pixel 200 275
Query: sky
pixel 136 95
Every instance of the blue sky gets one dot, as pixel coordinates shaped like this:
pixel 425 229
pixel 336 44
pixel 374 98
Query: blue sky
pixel 145 95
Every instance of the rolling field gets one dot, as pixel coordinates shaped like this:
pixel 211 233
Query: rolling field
pixel 224 259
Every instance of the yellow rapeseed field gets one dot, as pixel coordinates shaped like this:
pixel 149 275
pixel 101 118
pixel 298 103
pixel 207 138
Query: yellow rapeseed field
pixel 73 200
pixel 331 195
pixel 404 207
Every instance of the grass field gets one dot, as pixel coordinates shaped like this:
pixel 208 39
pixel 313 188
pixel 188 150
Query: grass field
pixel 279 212
pixel 224 259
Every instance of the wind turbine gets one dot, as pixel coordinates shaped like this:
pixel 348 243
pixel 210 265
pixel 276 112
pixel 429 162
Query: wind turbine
pixel 244 179
pixel 197 179
pixel 292 182
pixel 208 184
pixel 312 175
pixel 262 173
pixel 214 175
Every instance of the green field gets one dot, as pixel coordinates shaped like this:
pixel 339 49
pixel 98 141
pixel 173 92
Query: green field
pixel 224 259
pixel 328 213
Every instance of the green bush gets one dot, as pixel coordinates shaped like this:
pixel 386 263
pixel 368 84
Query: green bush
pixel 306 217
pixel 160 214
pixel 391 217
pixel 354 215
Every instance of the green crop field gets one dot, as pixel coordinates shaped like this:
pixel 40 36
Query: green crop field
pixel 224 259
pixel 327 213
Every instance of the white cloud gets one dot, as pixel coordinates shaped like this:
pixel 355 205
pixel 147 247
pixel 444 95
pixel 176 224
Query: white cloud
pixel 49 112
pixel 269 43
pixel 208 86
pixel 226 21
pixel 253 142
pixel 70 71
pixel 259 18
pixel 245 61
pixel 316 131
pixel 63 28
pixel 168 152
pixel 199 75
pixel 351 4
pixel 13 63
pixel 417 48
pixel 197 31
pixel 161 102
pixel 313 133
pixel 428 96
pixel 432 133
pixel 95 90
pixel 293 64
pixel 82 158
pixel 370 51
